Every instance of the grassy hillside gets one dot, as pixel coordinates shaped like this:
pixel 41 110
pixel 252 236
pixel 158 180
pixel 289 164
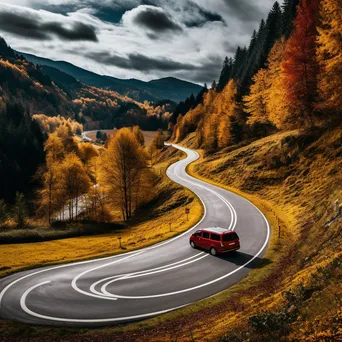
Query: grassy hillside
pixel 295 294
pixel 298 176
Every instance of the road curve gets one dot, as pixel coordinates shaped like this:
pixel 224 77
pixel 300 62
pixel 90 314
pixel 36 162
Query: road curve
pixel 143 283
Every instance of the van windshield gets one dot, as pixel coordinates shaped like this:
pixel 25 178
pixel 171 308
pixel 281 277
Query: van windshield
pixel 230 237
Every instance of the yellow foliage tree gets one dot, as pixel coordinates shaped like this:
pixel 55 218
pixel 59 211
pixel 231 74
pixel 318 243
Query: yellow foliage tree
pixel 124 173
pixel 255 102
pixel 50 174
pixel 224 133
pixel 277 106
pixel 329 55
pixel 139 135
pixel 75 182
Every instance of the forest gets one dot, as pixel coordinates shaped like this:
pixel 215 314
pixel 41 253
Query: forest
pixel 268 129
pixel 289 77
pixel 52 92
pixel 35 102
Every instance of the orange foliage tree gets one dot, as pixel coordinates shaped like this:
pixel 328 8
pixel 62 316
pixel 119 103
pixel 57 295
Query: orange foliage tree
pixel 301 67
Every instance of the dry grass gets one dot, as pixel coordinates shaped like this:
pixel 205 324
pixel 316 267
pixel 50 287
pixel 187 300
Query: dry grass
pixel 165 219
pixel 296 195
pixel 294 179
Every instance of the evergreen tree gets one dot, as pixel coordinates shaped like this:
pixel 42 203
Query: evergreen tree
pixel 225 74
pixel 289 14
pixel 21 151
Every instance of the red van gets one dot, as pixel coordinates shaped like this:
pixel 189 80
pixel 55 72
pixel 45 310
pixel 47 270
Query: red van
pixel 216 240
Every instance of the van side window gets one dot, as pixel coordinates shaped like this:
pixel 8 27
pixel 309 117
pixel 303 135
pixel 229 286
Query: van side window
pixel 215 237
pixel 197 234
pixel 205 235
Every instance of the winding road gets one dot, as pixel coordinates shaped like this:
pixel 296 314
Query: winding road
pixel 146 282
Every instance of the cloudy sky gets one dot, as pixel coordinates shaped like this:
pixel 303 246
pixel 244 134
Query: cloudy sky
pixel 144 39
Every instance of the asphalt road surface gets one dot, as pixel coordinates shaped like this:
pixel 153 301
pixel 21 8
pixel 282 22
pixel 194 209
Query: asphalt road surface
pixel 143 283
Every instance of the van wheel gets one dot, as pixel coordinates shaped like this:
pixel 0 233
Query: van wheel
pixel 213 251
pixel 192 244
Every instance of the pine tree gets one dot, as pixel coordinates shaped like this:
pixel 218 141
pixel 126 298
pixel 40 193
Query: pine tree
pixel 225 74
pixel 273 29
pixel 289 8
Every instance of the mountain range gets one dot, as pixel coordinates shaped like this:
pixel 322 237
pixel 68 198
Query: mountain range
pixel 169 88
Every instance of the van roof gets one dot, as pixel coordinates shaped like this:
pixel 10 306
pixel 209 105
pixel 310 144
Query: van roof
pixel 218 230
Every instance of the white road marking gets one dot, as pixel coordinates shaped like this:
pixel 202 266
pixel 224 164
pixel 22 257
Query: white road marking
pixel 128 318
pixel 2 293
pixel 93 286
pixel 74 281
pixel 140 274
pixel 75 320
pixel 132 254
pixel 229 205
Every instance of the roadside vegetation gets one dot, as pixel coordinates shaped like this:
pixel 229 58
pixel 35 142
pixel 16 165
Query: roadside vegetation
pixel 269 130
pixel 147 210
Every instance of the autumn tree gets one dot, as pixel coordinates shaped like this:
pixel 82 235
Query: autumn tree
pixel 95 200
pixel 139 135
pixel 76 182
pixel 51 177
pixel 65 133
pixel 159 140
pixel 226 107
pixel 87 152
pixel 301 67
pixel 123 170
pixel 224 132
pixel 329 55
pixel 277 104
pixel 255 102
pixel 179 129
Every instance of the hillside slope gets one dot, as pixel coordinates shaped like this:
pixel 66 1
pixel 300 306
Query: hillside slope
pixel 50 91
pixel 297 175
pixel 169 88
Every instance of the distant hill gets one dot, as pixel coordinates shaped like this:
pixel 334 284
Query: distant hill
pixel 169 88
pixel 43 89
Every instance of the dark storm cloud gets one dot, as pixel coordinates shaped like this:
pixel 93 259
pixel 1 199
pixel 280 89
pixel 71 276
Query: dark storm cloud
pixel 155 19
pixel 210 16
pixel 243 9
pixel 200 15
pixel 207 71
pixel 139 62
pixel 29 26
